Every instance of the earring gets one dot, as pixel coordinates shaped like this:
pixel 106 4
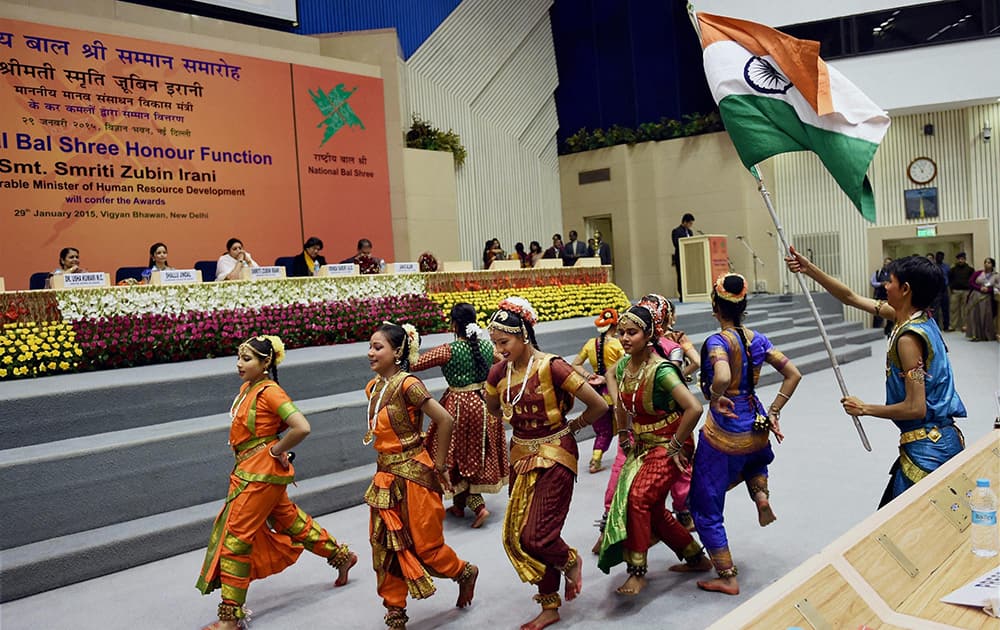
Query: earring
pixel 398 361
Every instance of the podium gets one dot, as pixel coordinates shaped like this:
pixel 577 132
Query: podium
pixel 703 258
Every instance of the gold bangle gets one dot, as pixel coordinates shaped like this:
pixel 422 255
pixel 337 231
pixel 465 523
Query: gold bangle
pixel 784 395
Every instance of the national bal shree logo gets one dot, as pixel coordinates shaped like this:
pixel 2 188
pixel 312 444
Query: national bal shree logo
pixel 336 110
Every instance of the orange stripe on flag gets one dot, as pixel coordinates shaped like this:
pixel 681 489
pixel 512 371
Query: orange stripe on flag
pixel 798 59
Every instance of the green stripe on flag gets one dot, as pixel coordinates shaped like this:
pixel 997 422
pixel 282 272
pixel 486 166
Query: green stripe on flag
pixel 761 127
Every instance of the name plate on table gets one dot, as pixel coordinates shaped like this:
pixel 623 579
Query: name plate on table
pixel 80 280
pixel 267 273
pixel 406 267
pixel 339 269
pixel 175 276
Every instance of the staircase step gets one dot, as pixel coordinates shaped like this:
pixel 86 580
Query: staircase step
pixel 59 561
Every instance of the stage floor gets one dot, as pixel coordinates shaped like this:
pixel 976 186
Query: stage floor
pixel 823 482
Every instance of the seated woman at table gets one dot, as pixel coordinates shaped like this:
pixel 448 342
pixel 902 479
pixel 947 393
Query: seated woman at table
pixel 158 258
pixel 69 262
pixel 231 264
pixel 309 260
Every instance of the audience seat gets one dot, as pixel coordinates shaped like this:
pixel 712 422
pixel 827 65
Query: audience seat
pixel 286 262
pixel 37 280
pixel 207 269
pixel 129 272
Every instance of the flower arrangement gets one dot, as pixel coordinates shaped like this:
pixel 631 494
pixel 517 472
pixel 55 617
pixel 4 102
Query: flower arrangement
pixel 550 303
pixel 368 265
pixel 142 324
pixel 427 262
pixel 38 348
pixel 77 304
pixel 124 340
pixel 514 279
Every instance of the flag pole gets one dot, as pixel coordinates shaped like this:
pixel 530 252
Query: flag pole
pixel 812 305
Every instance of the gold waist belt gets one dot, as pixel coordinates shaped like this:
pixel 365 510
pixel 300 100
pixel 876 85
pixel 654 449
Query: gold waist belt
pixel 933 434
pixel 474 387
pixel 640 428
pixel 388 459
pixel 250 448
pixel 535 443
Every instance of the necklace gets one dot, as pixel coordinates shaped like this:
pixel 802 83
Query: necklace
pixel 373 414
pixel 507 409
pixel 897 329
pixel 636 379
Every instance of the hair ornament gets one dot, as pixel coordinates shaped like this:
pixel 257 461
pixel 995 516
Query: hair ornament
pixel 277 354
pixel 607 319
pixel 720 289
pixel 520 307
pixel 659 308
pixel 472 329
pixel 278 346
pixel 414 338
pixel 635 320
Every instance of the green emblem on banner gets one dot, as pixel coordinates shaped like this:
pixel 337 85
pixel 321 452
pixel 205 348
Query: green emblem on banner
pixel 336 110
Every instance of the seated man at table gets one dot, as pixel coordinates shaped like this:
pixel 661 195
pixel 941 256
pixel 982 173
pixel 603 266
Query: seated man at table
pixel 309 261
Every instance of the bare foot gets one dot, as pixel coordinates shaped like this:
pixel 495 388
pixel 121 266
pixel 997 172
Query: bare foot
pixel 457 512
pixel 765 515
pixel 595 466
pixel 221 625
pixel 344 570
pixel 544 618
pixel 729 586
pixel 632 586
pixel 700 567
pixel 596 549
pixel 467 589
pixel 574 580
pixel 481 517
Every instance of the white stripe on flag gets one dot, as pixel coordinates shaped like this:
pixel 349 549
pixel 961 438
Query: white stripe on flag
pixel 724 63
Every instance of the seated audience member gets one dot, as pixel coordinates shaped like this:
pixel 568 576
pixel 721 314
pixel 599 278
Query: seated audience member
pixel 69 262
pixel 493 252
pixel 534 253
pixel 364 249
pixel 309 261
pixel 231 264
pixel 556 251
pixel 158 258
pixel 521 255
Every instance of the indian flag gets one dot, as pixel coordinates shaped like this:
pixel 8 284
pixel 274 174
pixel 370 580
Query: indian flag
pixel 776 95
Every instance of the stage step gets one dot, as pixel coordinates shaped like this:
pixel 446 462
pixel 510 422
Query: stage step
pixel 159 484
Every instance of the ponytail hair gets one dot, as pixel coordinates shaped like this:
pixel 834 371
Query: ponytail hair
pixel 463 316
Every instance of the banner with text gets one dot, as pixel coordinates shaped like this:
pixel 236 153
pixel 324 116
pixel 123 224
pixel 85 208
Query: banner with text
pixel 109 144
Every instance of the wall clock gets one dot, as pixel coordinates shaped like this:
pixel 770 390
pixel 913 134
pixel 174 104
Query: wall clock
pixel 922 170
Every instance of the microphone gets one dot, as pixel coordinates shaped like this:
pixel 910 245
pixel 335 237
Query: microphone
pixel 700 232
pixel 739 238
pixel 771 234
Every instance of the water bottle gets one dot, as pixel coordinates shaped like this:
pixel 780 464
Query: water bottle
pixel 146 275
pixel 984 520
pixel 381 265
pixel 315 267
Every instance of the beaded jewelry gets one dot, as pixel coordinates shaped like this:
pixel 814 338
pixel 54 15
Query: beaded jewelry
pixel 507 409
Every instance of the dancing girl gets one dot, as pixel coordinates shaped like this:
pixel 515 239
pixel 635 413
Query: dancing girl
pixel 655 415
pixel 734 445
pixel 477 459
pixel 259 531
pixel 406 524
pixel 533 391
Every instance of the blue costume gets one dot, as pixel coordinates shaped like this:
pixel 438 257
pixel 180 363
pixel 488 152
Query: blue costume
pixel 928 442
pixel 729 450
